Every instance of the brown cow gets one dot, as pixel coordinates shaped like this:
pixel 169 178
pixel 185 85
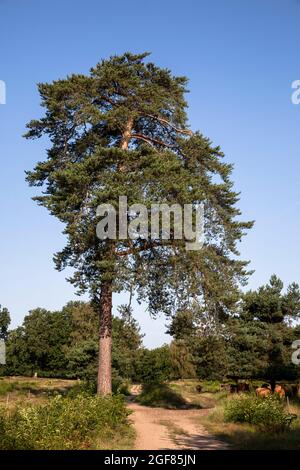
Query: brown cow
pixel 263 392
pixel 279 390
pixel 266 391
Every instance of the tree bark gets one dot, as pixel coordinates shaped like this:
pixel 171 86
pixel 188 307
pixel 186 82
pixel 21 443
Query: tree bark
pixel 104 386
pixel 105 340
pixel 126 134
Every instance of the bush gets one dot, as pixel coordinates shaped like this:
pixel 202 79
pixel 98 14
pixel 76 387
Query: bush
pixel 267 413
pixel 160 395
pixel 87 388
pixel 63 423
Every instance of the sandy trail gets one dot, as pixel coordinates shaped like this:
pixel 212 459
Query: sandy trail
pixel 159 429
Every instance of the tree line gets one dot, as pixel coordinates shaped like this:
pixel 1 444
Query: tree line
pixel 252 342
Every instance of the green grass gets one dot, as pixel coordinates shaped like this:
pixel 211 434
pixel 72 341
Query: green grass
pixel 16 386
pixel 209 397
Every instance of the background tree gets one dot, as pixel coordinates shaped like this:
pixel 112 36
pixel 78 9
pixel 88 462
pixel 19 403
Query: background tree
pixel 17 358
pixel 127 342
pixel 246 348
pixel 122 130
pixel 182 360
pixel 4 323
pixel 260 337
pixel 65 343
pixel 203 337
pixel 45 334
pixel 81 351
pixel 153 365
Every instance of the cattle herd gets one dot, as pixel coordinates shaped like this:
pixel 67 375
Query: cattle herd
pixel 263 391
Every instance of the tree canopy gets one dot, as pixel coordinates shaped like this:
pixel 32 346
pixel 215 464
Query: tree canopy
pixel 122 130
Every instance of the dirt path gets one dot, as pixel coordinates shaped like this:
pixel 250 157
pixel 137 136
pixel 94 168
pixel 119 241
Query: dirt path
pixel 159 429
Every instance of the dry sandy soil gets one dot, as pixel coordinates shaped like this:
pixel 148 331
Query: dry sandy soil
pixel 161 429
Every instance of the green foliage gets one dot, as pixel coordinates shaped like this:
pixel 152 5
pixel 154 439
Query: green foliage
pixel 63 423
pixel 160 395
pixel 44 334
pixel 21 387
pixel 153 366
pixel 267 413
pixel 210 386
pixel 120 385
pixel 127 341
pixel 120 131
pixel 5 388
pixel 182 361
pixel 260 338
pixel 4 322
pixel 210 357
pixel 65 343
pixel 200 334
pixel 252 341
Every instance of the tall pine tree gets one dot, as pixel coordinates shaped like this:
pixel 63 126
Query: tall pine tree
pixel 122 131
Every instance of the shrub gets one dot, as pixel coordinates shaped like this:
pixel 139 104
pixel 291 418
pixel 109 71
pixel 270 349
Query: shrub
pixel 153 365
pixel 267 413
pixel 120 386
pixel 63 423
pixel 86 388
pixel 160 395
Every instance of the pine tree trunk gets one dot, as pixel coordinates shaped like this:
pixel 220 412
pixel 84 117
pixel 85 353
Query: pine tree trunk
pixel 105 340
pixel 104 386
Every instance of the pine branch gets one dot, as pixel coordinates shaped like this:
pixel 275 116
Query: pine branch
pixel 165 121
pixel 152 140
pixel 139 249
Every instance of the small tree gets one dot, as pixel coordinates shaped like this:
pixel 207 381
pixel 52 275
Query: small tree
pixel 122 130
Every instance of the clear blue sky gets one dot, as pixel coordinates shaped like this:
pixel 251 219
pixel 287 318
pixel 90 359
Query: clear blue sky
pixel 241 58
